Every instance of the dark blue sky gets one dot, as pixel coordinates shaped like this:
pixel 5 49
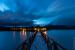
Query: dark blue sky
pixel 45 11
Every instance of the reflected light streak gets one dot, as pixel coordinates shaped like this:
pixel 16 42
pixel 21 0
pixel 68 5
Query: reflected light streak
pixel 45 32
pixel 14 34
pixel 23 34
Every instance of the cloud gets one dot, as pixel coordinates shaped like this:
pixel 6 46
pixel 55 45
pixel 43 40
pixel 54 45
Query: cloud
pixel 44 21
pixel 4 7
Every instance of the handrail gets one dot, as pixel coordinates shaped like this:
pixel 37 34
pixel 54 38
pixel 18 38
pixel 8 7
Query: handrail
pixel 27 43
pixel 49 41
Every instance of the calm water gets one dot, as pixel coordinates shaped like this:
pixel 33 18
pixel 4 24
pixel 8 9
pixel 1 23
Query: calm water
pixel 9 40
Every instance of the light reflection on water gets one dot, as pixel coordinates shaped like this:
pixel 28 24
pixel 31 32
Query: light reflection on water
pixel 9 40
pixel 23 35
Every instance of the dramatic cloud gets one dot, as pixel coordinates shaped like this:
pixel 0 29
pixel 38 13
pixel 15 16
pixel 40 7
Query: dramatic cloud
pixel 35 10
pixel 4 7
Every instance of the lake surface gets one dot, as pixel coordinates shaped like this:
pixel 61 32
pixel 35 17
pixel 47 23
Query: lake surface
pixel 9 40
